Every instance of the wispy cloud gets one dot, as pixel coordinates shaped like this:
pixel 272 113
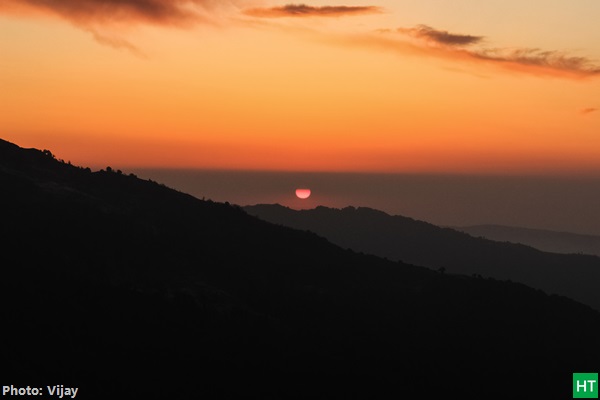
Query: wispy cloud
pixel 590 110
pixel 303 10
pixel 441 37
pixel 550 60
pixel 427 41
pixel 164 12
pixel 115 42
pixel 103 19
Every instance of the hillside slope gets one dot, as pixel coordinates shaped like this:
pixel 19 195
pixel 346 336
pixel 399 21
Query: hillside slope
pixel 417 242
pixel 128 289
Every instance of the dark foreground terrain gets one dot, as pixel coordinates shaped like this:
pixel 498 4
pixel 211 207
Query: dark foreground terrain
pixel 400 238
pixel 128 289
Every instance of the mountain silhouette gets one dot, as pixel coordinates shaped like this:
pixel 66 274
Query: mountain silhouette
pixel 126 288
pixel 417 242
pixel 541 239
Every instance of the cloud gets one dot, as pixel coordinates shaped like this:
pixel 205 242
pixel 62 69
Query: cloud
pixel 115 42
pixel 85 12
pixel 588 110
pixel 441 44
pixel 99 17
pixel 103 18
pixel 441 37
pixel 543 59
pixel 303 10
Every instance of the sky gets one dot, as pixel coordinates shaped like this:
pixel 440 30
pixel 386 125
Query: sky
pixel 426 87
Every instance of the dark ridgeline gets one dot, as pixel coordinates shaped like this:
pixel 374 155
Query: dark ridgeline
pixel 541 239
pixel 129 289
pixel 416 242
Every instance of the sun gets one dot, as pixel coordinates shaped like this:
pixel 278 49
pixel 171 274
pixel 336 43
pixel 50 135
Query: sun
pixel 303 193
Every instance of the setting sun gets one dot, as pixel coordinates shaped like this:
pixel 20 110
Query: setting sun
pixel 303 193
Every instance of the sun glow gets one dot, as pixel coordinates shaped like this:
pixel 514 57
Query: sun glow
pixel 303 193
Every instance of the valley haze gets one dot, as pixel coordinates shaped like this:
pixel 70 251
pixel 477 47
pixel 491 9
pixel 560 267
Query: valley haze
pixel 559 203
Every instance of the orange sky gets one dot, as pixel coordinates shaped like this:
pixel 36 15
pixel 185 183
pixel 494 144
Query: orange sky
pixel 339 86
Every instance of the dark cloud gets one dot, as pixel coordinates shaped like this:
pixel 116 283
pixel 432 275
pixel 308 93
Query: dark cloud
pixel 176 12
pixel 303 10
pixel 453 46
pixel 555 60
pixel 588 110
pixel 440 37
pixel 102 19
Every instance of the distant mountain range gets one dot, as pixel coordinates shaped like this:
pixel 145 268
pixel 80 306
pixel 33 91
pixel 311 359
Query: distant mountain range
pixel 417 242
pixel 545 240
pixel 128 289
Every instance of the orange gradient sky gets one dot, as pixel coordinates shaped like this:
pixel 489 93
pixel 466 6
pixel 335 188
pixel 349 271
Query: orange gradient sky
pixel 404 86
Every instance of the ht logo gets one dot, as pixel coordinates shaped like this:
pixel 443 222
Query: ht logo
pixel 585 386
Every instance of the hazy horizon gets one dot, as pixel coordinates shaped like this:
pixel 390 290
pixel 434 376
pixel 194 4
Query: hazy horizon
pixel 500 104
pixel 566 204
